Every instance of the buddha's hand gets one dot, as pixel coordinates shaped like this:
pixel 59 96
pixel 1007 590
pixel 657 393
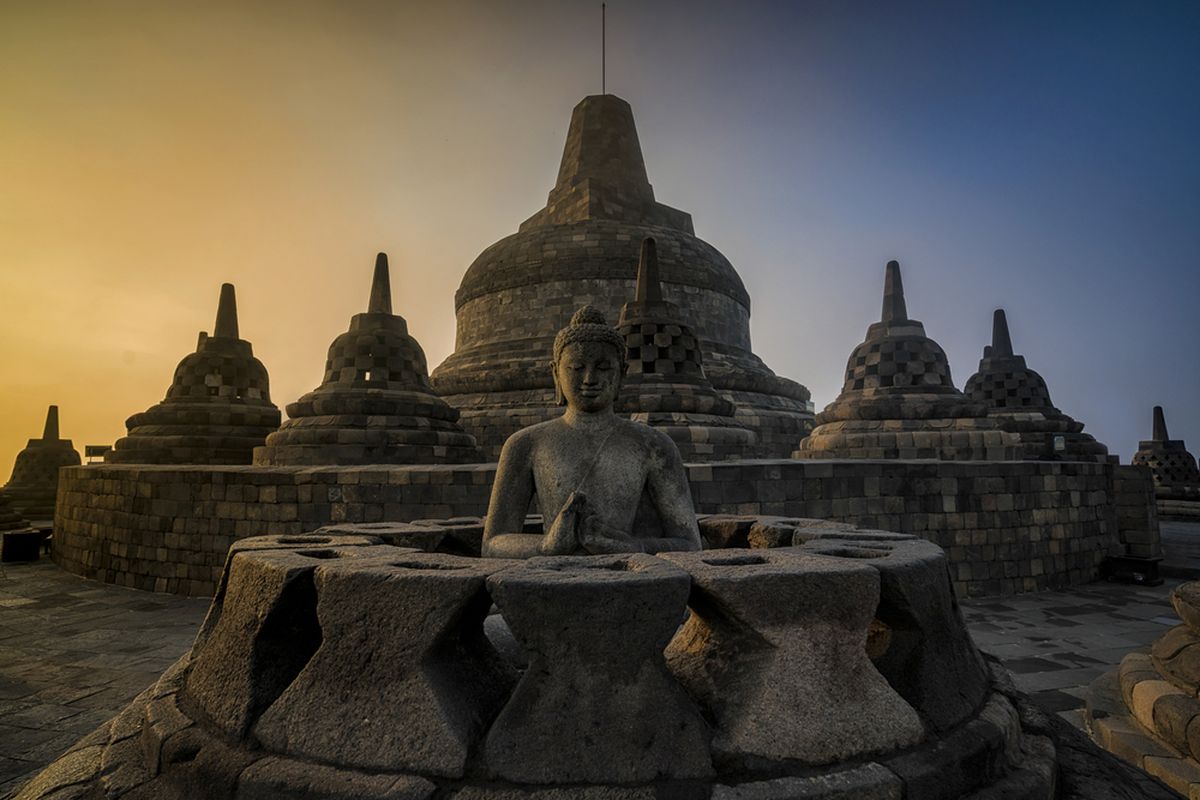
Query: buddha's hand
pixel 563 537
pixel 598 538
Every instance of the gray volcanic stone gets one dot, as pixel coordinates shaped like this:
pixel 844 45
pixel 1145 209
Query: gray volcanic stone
pixel 265 633
pixel 594 628
pixel 775 650
pixel 404 678
pixel 280 779
pixel 459 536
pixel 930 658
pixel 303 541
pixel 32 489
pixel 866 782
pixel 1186 599
pixel 572 793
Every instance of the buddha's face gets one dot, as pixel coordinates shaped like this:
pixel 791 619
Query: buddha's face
pixel 589 376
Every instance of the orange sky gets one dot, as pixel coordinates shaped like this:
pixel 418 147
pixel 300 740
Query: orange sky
pixel 1019 156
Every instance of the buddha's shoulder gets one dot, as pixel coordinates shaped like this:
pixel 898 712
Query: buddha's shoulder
pixel 532 434
pixel 645 435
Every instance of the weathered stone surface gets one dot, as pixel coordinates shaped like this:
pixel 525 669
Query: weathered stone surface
pixel 217 409
pixel 572 793
pixel 404 678
pixel 774 650
pixel 458 536
pixel 280 779
pixel 75 767
pixel 597 704
pixel 1186 599
pixel 194 763
pixel 33 486
pixel 899 401
pixel 1018 399
pixel 867 782
pixel 579 249
pixel 374 405
pixel 266 632
pixel 1176 476
pixel 930 658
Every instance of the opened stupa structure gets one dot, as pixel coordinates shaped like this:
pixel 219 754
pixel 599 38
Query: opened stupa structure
pixel 665 386
pixel 1018 399
pixel 374 405
pixel 576 251
pixel 34 483
pixel 217 410
pixel 899 401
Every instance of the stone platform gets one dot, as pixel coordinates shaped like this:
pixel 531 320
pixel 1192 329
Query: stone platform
pixel 1007 527
pixel 76 652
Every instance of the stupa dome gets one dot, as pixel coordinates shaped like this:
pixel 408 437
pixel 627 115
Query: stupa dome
pixel 899 401
pixel 1017 397
pixel 1176 476
pixel 33 487
pixel 576 251
pixel 374 405
pixel 217 409
pixel 665 386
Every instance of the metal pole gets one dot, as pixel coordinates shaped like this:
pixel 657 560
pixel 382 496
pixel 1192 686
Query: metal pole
pixel 603 50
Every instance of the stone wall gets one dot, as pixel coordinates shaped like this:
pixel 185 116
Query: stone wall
pixel 1008 527
pixel 1137 517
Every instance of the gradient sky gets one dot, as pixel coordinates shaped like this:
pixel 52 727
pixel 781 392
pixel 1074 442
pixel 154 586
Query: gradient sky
pixel 1036 156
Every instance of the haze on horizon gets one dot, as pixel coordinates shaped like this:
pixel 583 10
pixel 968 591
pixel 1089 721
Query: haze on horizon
pixel 1035 157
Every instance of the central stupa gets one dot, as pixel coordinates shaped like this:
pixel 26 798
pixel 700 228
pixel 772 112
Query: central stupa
pixel 582 249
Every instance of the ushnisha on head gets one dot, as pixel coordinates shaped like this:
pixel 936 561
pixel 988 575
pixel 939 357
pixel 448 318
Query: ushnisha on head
pixel 589 362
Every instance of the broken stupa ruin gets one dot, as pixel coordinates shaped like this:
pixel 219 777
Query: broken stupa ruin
pixel 217 409
pixel 1018 399
pixel 374 405
pixel 33 486
pixel 577 251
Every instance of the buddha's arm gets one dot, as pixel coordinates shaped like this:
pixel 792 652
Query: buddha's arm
pixel 672 497
pixel 511 493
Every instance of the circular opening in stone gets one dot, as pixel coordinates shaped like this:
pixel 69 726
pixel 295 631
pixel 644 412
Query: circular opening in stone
pixel 326 553
pixel 734 561
pixel 427 566
pixel 855 552
pixel 304 540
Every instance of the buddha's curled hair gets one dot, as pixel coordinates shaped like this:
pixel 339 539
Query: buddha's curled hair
pixel 588 325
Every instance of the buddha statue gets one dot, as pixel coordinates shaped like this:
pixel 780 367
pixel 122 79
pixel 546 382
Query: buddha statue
pixel 589 468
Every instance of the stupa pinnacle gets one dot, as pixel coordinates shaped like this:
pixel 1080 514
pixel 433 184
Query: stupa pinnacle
pixel 33 487
pixel 1017 398
pixel 217 409
pixel 1176 477
pixel 898 400
pixel 665 386
pixel 374 405
pixel 576 251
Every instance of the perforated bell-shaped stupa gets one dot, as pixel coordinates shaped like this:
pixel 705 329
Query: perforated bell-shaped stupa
pixel 34 483
pixel 217 410
pixel 374 405
pixel 1018 399
pixel 665 386
pixel 1176 476
pixel 898 400
pixel 576 251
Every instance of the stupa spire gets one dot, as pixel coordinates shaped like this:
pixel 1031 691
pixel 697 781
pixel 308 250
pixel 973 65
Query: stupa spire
pixel 649 284
pixel 1001 342
pixel 1160 425
pixel 50 432
pixel 226 326
pixel 602 145
pixel 381 288
pixel 894 309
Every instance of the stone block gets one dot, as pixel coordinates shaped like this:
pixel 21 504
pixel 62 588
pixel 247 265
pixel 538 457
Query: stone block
pixel 929 657
pixel 597 704
pixel 775 651
pixel 405 678
pixel 867 782
pixel 275 778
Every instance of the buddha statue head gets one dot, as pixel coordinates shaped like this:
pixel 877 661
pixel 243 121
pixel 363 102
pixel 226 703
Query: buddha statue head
pixel 589 362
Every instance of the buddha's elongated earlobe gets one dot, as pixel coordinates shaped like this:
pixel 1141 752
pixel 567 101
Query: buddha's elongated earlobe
pixel 559 400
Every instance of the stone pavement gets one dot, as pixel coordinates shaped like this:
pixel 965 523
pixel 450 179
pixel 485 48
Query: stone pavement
pixel 74 652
